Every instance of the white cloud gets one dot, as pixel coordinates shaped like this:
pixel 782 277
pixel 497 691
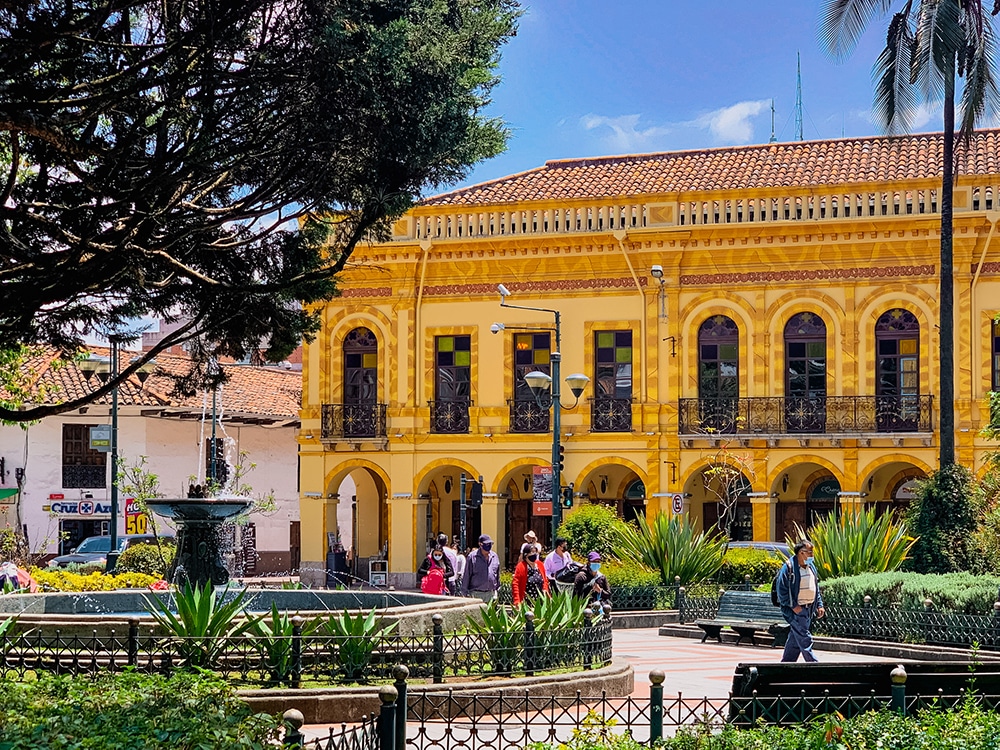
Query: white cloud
pixel 623 133
pixel 732 124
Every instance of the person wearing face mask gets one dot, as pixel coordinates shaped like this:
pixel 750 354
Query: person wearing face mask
pixel 529 580
pixel 591 584
pixel 800 599
pixel 482 571
pixel 434 571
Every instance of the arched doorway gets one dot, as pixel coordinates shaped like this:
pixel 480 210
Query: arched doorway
pixel 732 516
pixel 897 367
pixel 821 500
pixel 805 373
pixel 718 373
pixel 360 418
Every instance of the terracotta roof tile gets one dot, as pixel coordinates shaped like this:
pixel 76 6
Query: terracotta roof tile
pixel 250 390
pixel 797 164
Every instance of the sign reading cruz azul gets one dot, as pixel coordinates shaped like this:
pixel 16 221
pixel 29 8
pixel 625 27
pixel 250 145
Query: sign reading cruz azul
pixel 81 508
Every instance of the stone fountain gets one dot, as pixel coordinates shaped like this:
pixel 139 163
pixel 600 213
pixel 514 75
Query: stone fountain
pixel 199 522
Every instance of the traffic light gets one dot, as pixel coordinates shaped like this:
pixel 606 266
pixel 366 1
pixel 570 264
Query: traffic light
pixel 567 498
pixel 475 495
pixel 562 461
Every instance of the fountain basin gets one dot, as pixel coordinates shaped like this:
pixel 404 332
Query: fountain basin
pixel 208 509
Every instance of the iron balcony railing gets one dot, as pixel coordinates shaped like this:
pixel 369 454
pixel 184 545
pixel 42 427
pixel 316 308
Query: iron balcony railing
pixel 353 421
pixel 528 416
pixel 778 415
pixel 450 416
pixel 84 477
pixel 610 414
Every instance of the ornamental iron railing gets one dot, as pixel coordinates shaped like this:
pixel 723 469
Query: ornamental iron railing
pixel 528 416
pixel 450 416
pixel 83 477
pixel 611 415
pixel 353 421
pixel 778 415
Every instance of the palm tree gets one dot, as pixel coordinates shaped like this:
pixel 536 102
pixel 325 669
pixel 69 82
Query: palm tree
pixel 929 44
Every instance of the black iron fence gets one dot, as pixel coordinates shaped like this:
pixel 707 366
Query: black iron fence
pixel 353 421
pixel 911 626
pixel 780 415
pixel 474 721
pixel 298 659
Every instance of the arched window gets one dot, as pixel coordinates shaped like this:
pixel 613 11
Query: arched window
pixel 362 415
pixel 805 373
pixel 897 367
pixel 718 373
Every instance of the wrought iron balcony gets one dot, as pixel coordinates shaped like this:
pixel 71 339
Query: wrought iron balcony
pixel 780 416
pixel 610 415
pixel 449 416
pixel 353 421
pixel 528 416
pixel 84 477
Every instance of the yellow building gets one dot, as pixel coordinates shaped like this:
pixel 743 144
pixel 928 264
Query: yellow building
pixel 771 306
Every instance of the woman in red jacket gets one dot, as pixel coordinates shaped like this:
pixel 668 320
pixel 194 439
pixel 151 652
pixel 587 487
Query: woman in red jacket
pixel 529 576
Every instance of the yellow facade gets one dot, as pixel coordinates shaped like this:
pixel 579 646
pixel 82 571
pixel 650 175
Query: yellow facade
pixel 849 255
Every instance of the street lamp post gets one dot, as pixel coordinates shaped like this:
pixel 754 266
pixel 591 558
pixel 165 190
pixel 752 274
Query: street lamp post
pixel 539 383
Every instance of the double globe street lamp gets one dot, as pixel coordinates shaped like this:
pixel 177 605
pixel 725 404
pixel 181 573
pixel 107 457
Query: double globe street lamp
pixel 541 383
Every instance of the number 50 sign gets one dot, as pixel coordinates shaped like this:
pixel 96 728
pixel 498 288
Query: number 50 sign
pixel 135 521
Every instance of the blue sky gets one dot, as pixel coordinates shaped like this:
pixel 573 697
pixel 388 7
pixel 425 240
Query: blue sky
pixel 596 77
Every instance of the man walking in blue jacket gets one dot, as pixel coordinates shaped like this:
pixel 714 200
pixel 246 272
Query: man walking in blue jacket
pixel 800 600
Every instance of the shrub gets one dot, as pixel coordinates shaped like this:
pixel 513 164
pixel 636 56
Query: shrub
pixel 671 546
pixel 150 559
pixel 985 541
pixel 59 579
pixel 592 528
pixel 356 639
pixel 858 542
pixel 962 593
pixel 740 562
pixel 942 518
pixel 634 586
pixel 129 710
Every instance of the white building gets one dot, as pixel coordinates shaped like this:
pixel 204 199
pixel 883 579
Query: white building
pixel 64 483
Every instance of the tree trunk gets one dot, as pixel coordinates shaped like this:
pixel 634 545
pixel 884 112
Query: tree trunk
pixel 946 364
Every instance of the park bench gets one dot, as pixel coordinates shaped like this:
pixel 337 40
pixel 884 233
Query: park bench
pixel 746 612
pixel 774 693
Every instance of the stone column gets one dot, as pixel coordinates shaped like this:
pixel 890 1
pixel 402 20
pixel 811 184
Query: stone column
pixel 764 516
pixel 494 517
pixel 403 540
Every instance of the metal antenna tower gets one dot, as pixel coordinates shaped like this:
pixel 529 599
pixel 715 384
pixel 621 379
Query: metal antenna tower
pixel 798 96
pixel 774 138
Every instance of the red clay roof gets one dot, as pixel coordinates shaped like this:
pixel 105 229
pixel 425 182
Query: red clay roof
pixel 267 392
pixel 797 164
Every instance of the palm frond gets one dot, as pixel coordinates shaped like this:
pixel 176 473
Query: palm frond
pixel 939 37
pixel 980 95
pixel 844 22
pixel 895 96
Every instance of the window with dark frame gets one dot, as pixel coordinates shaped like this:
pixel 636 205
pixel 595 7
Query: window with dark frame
pixel 718 374
pixel 452 383
pixel 995 412
pixel 532 352
pixel 805 373
pixel 897 371
pixel 83 467
pixel 611 409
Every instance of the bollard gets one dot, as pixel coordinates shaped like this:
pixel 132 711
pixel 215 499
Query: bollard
pixel 869 617
pixel 529 644
pixel 386 723
pixel 295 671
pixel 656 678
pixel 400 672
pixel 133 641
pixel 588 638
pixel 996 624
pixel 747 586
pixel 680 604
pixel 437 658
pixel 293 721
pixel 898 677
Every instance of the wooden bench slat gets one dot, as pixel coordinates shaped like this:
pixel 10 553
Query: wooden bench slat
pixel 746 612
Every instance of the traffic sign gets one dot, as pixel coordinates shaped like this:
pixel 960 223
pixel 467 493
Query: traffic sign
pixel 677 504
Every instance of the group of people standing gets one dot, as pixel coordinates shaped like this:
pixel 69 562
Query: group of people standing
pixel 477 574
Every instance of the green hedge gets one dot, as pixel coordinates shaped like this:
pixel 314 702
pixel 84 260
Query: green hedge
pixel 592 528
pixel 963 593
pixel 129 711
pixel 740 562
pixel 147 558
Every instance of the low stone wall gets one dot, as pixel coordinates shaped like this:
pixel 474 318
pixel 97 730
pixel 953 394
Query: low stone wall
pixel 350 704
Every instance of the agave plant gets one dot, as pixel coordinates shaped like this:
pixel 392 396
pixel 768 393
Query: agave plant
pixel 273 637
pixel 201 626
pixel 503 632
pixel 671 546
pixel 6 630
pixel 561 611
pixel 356 639
pixel 858 542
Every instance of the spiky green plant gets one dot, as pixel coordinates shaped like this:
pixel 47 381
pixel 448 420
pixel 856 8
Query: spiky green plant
pixel 671 546
pixel 858 542
pixel 503 631
pixel 560 611
pixel 202 625
pixel 273 634
pixel 355 639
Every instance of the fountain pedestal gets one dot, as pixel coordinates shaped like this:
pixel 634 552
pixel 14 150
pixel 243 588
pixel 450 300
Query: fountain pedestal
pixel 199 523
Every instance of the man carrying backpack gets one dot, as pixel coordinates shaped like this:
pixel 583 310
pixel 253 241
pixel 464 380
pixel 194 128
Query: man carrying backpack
pixel 796 588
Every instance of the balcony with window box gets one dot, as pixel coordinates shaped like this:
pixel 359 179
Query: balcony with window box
pixel 829 415
pixel 354 422
pixel 608 414
pixel 527 416
pixel 450 416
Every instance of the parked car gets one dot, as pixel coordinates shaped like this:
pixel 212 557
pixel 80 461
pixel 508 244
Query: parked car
pixel 776 549
pixel 94 549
